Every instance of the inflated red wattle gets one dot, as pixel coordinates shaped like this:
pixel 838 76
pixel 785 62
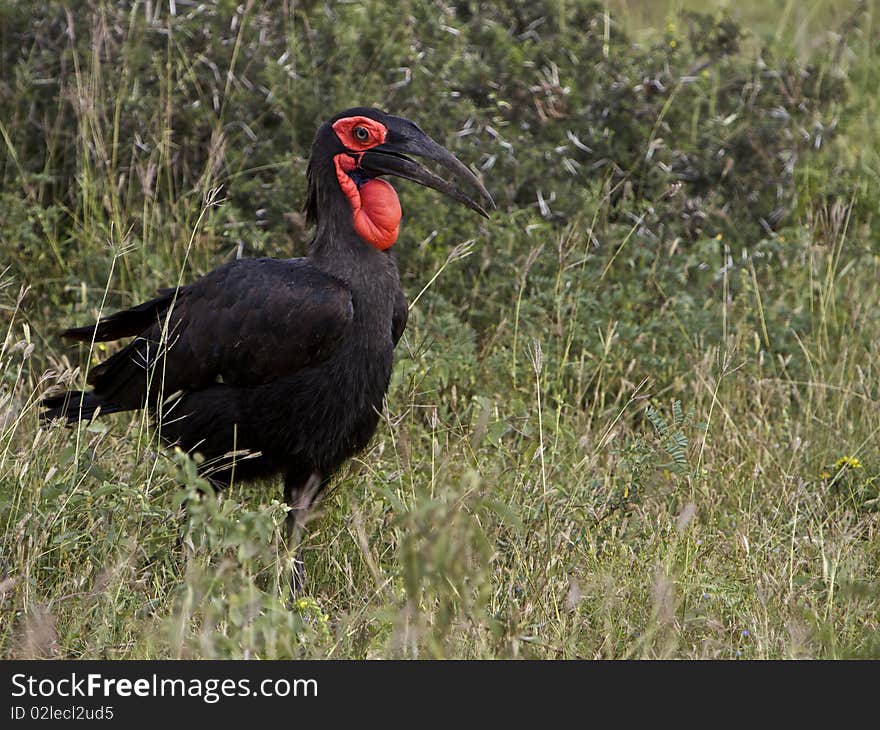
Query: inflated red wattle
pixel 378 220
pixel 375 207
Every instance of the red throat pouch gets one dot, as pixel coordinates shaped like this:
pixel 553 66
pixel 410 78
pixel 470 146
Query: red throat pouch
pixel 378 220
pixel 375 207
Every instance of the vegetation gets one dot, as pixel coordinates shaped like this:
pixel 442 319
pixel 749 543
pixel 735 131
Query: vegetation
pixel 635 414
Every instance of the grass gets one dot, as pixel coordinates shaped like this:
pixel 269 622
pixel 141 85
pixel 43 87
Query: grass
pixel 609 434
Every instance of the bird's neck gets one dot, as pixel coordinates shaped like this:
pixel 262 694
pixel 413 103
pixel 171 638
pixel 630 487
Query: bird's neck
pixel 337 248
pixel 370 275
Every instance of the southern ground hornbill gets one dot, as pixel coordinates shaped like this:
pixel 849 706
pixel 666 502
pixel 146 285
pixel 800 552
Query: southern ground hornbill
pixel 270 366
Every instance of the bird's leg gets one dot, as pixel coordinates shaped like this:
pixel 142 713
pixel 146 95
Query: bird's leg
pixel 300 497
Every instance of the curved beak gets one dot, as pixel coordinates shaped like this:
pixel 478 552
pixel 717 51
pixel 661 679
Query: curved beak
pixel 405 138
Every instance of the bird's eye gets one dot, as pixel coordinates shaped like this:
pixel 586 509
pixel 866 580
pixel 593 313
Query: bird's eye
pixel 361 134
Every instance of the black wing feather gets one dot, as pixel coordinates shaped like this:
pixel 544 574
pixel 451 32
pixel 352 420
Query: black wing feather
pixel 245 323
pixel 126 323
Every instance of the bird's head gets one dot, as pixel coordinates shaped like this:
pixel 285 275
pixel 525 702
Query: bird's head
pixel 355 148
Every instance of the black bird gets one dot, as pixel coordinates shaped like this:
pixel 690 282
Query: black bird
pixel 270 366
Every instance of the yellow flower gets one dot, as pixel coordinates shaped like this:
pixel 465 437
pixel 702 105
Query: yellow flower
pixel 847 462
pixel 719 236
pixel 672 44
pixel 824 474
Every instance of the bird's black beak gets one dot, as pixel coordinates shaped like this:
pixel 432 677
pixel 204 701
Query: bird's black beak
pixel 405 138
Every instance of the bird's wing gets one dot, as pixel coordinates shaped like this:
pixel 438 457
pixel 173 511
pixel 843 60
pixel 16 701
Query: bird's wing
pixel 246 323
pixel 257 320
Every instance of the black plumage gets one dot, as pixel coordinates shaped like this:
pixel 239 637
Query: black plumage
pixel 269 366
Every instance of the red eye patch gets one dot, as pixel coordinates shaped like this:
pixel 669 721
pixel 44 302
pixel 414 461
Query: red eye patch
pixel 349 132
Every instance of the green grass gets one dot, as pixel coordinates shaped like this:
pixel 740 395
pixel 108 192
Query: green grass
pixel 643 424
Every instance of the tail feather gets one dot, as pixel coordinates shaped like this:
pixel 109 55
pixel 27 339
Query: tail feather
pixel 73 406
pixel 127 323
pixel 121 381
